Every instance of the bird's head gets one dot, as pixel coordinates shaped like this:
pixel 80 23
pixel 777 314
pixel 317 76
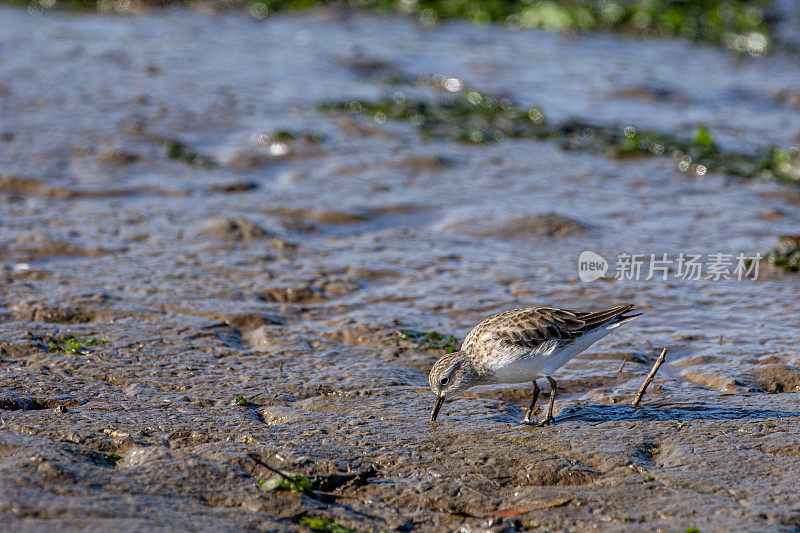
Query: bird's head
pixel 451 374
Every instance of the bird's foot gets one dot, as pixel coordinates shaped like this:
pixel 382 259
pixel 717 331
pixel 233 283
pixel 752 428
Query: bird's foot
pixel 546 421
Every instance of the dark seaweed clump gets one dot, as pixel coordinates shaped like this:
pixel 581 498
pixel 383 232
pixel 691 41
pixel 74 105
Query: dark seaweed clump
pixel 474 117
pixel 308 137
pixel 113 458
pixel 699 154
pixel 179 151
pixel 742 25
pixel 786 254
pixel 470 116
pixel 430 339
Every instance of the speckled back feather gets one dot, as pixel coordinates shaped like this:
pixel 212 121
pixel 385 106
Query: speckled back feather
pixel 529 329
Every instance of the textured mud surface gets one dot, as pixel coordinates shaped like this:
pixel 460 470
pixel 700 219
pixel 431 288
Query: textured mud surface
pixel 232 265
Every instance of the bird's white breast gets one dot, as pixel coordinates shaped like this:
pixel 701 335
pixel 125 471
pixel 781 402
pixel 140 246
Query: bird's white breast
pixel 512 365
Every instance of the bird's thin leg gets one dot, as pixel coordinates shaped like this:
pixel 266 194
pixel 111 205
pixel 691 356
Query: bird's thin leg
pixel 549 418
pixel 528 415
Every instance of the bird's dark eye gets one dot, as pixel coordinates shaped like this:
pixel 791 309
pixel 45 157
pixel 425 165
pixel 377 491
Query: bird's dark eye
pixel 444 381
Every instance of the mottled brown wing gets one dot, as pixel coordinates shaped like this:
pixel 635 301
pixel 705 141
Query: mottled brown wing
pixel 530 328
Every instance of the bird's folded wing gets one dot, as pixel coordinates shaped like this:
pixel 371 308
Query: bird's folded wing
pixel 532 327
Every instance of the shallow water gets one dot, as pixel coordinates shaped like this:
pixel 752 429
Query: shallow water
pixel 102 234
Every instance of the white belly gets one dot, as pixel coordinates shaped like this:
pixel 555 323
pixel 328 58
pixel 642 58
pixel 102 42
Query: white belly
pixel 513 367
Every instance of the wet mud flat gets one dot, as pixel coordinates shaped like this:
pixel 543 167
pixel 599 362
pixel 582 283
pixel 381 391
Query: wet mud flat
pixel 203 277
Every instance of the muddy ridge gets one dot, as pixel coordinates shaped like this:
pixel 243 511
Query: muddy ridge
pixel 219 304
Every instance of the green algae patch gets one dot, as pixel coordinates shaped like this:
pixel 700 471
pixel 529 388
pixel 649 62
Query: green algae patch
pixel 787 163
pixel 290 482
pixel 113 458
pixel 470 116
pixel 741 25
pixel 292 136
pixel 71 345
pixel 430 339
pixel 785 256
pixel 698 154
pixel 320 525
pixel 473 117
pixel 179 151
pixel 279 142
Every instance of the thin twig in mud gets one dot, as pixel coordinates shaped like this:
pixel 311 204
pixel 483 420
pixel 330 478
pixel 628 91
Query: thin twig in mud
pixel 625 362
pixel 508 512
pixel 256 460
pixel 322 497
pixel 650 377
pixel 316 494
pixel 325 497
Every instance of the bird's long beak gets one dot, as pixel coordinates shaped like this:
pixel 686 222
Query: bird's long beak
pixel 435 412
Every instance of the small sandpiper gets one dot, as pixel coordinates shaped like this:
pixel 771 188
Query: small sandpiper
pixel 522 345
